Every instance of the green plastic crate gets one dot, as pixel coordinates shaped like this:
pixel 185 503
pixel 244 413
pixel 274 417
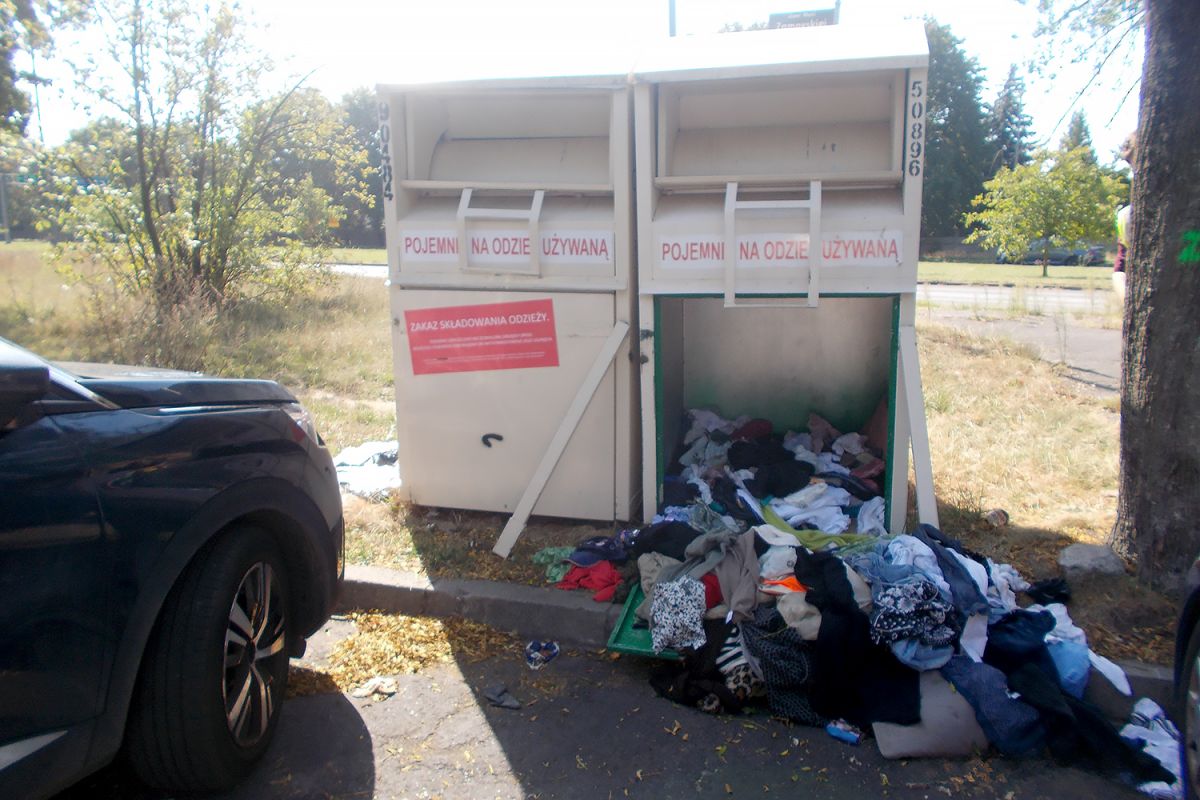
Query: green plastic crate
pixel 626 638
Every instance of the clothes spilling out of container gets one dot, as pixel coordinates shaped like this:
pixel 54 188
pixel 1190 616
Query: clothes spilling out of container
pixel 770 572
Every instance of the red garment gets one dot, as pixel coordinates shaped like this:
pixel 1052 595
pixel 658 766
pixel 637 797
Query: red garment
pixel 601 577
pixel 712 590
pixel 870 469
pixel 754 429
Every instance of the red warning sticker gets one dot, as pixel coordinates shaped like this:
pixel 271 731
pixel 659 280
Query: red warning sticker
pixel 482 337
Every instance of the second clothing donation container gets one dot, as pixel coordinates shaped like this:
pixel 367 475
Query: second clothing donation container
pixel 778 210
pixel 509 230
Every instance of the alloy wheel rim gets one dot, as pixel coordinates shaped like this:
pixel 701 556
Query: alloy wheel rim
pixel 254 639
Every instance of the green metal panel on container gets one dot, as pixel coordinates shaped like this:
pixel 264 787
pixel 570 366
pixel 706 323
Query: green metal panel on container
pixel 891 411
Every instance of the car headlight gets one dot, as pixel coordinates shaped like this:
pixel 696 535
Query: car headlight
pixel 303 422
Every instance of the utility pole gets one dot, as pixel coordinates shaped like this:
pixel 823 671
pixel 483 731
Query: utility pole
pixel 671 17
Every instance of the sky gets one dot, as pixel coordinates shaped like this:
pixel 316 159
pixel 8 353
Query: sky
pixel 361 43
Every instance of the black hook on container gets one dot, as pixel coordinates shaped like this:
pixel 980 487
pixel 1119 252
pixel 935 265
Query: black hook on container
pixel 488 437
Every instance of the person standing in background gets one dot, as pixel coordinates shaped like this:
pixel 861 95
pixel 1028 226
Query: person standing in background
pixel 1128 148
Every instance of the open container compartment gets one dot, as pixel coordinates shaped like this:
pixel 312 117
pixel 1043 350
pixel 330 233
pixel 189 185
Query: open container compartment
pixel 508 209
pixel 837 360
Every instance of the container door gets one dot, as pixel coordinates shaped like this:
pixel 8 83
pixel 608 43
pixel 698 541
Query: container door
pixel 483 380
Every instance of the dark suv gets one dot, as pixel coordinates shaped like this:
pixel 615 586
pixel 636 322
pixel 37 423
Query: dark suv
pixel 167 541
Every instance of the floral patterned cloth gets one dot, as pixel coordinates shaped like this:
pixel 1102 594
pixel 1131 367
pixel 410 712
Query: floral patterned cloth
pixel 913 610
pixel 677 614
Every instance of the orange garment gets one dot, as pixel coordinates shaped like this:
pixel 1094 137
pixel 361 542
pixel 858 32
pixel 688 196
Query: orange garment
pixel 783 585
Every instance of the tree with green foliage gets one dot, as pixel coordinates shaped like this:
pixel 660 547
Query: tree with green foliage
pixel 1058 199
pixel 1010 130
pixel 363 225
pixel 199 187
pixel 956 149
pixel 1078 135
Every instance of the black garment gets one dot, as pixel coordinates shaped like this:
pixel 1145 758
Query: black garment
pixel 780 480
pixel 1077 733
pixel 1019 638
pixel 669 538
pixel 853 679
pixel 1051 590
pixel 696 677
pixel 786 662
pixel 758 453
pixel 677 492
pixel 725 492
pixel 850 483
pixel 825 576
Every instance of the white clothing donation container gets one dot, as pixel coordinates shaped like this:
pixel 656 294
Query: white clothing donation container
pixel 510 253
pixel 778 214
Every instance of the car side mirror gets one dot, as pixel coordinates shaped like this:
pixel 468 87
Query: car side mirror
pixel 20 385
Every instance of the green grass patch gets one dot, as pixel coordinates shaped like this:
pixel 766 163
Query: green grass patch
pixel 358 255
pixel 1025 275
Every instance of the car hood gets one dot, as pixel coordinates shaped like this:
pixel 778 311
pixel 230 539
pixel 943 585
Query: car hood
pixel 144 387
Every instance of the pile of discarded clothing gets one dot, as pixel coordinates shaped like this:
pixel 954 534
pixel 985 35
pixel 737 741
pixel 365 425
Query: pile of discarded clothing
pixel 770 572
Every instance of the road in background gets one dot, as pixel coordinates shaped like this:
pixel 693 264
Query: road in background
pixel 1018 299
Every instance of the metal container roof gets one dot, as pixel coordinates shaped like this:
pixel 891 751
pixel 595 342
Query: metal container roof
pixel 786 51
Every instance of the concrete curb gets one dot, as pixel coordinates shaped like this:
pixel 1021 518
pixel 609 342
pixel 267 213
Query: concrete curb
pixel 532 612
pixel 574 618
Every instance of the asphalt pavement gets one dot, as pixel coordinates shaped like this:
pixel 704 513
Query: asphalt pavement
pixel 590 726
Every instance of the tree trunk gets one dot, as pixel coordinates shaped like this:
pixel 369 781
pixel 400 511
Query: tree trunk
pixel 1158 511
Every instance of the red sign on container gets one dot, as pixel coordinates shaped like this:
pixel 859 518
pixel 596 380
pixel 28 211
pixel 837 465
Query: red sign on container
pixel 482 337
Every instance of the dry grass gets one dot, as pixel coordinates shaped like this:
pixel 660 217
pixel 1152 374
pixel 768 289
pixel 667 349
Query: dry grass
pixel 1007 432
pixel 332 348
pixel 443 543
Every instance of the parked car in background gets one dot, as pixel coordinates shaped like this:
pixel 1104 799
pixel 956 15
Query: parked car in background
pixel 167 541
pixel 1058 256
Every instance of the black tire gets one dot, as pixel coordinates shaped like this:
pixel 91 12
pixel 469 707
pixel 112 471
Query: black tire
pixel 1188 703
pixel 188 730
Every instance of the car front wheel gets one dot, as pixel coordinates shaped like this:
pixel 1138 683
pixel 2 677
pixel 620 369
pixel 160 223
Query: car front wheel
pixel 215 669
